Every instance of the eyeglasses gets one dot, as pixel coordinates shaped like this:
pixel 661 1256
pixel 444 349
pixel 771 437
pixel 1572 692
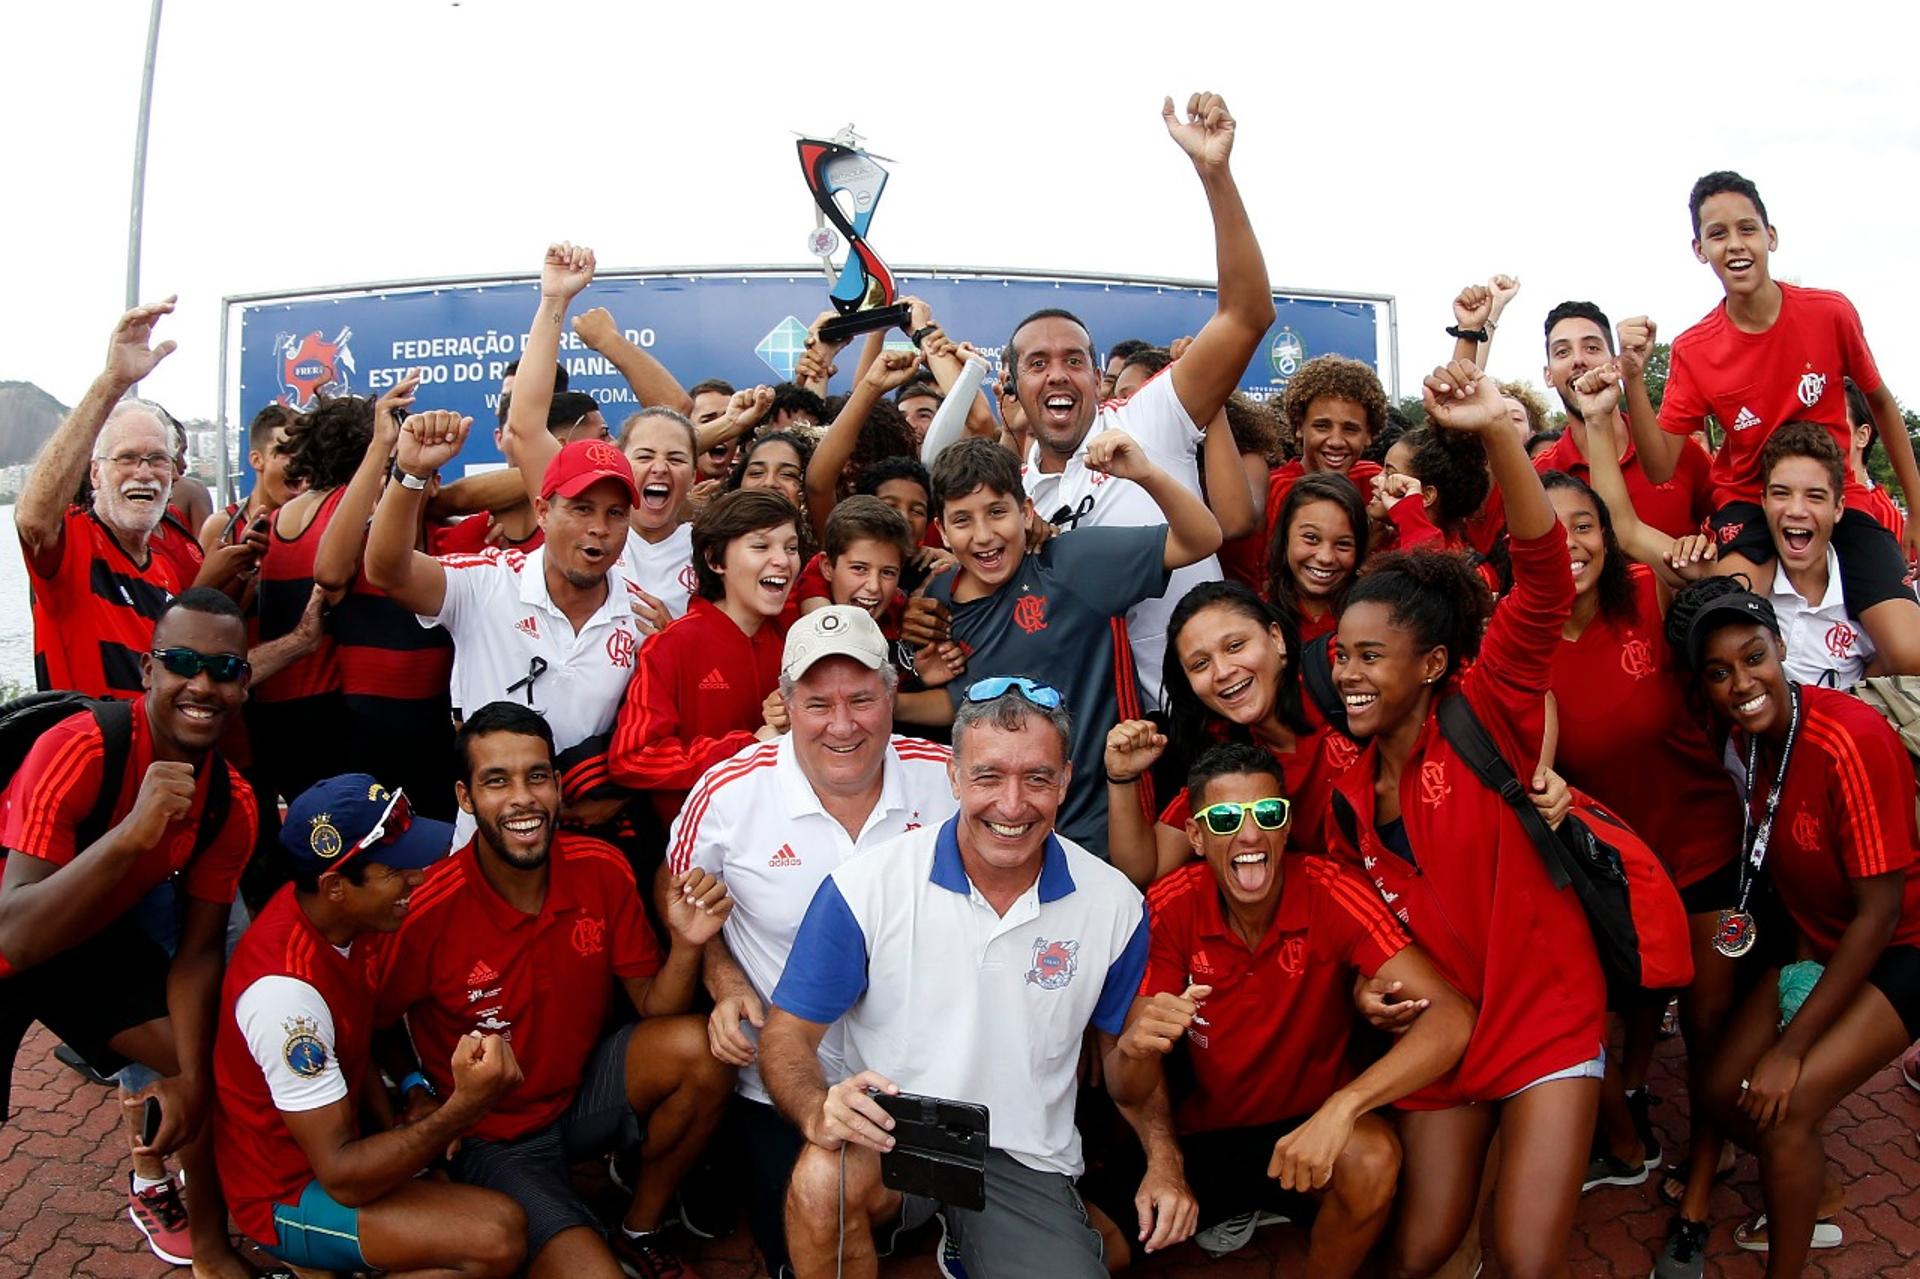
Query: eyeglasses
pixel 187 663
pixel 133 461
pixel 1045 696
pixel 395 822
pixel 1226 819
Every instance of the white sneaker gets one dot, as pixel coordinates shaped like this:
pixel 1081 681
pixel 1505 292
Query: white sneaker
pixel 1234 1233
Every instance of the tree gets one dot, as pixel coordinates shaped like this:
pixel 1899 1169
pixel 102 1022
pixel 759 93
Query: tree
pixel 1658 365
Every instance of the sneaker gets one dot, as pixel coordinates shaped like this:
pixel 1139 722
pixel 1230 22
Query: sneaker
pixel 623 1168
pixel 648 1256
pixel 1910 1066
pixel 1686 1252
pixel 1608 1170
pixel 80 1066
pixel 1640 1106
pixel 1670 1019
pixel 1234 1233
pixel 162 1217
pixel 947 1257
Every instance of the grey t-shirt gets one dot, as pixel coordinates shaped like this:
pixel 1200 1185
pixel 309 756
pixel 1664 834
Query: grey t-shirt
pixel 1061 620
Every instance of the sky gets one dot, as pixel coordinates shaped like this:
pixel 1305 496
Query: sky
pixel 1380 148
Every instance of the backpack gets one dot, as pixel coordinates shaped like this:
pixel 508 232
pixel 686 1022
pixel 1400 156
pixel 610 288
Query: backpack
pixel 25 720
pixel 1897 698
pixel 1316 676
pixel 1638 921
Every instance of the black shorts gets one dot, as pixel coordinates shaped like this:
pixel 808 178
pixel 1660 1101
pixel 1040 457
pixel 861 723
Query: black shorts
pixel 1896 974
pixel 1718 891
pixel 1873 568
pixel 110 983
pixel 535 1171
pixel 1227 1172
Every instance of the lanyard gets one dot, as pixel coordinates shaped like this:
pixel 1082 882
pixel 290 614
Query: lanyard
pixel 1755 842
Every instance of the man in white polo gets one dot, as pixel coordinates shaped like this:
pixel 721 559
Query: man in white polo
pixel 555 628
pixel 772 821
pixel 964 961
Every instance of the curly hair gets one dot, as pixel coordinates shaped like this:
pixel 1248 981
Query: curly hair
pixel 1333 375
pixel 1530 401
pixel 326 443
pixel 1318 487
pixel 1453 463
pixel 1189 722
pixel 1437 595
pixel 1615 587
pixel 1256 426
pixel 886 433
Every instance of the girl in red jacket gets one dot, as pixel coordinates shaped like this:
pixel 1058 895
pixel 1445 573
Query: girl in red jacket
pixel 1458 869
pixel 1832 906
pixel 1319 543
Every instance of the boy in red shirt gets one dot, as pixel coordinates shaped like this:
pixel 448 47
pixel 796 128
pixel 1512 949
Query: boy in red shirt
pixel 1252 962
pixel 1769 354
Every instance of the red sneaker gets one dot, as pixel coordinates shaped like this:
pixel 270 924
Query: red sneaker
pixel 162 1217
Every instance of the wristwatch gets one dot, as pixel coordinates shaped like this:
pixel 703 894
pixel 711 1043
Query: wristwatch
pixel 408 480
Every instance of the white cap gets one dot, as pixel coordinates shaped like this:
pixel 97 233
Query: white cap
pixel 839 630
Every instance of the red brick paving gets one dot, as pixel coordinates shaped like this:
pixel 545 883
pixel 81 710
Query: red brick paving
pixel 63 1204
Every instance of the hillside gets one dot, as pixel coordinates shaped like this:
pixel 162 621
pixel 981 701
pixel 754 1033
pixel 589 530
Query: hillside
pixel 27 417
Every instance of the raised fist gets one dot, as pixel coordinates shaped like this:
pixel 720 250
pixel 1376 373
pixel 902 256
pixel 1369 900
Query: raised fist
pixel 1162 1023
pixel 432 439
pixel 1596 392
pixel 894 369
pixel 1118 454
pixel 1637 335
pixel 484 1068
pixel 596 328
pixel 1207 133
pixel 1133 746
pixel 567 270
pixel 1472 307
pixel 166 796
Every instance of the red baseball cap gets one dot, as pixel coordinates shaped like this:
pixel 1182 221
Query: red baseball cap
pixel 584 463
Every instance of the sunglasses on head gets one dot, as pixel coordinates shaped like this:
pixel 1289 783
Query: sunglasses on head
pixel 1044 696
pixel 1227 818
pixel 187 663
pixel 395 822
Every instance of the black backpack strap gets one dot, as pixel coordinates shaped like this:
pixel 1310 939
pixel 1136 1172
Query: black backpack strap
pixel 1468 736
pixel 1316 676
pixel 115 720
pixel 213 818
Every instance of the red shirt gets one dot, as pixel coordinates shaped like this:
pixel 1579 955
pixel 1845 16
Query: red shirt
pixel 1479 903
pixel 1677 508
pixel 55 788
pixel 1624 721
pixel 466 961
pixel 285 586
pixel 1486 527
pixel 1308 772
pixel 1847 814
pixel 1285 477
pixel 94 607
pixel 260 1162
pixel 1754 383
pixel 812 585
pixel 1876 503
pixel 469 537
pixel 1414 530
pixel 1274 1042
pixel 695 699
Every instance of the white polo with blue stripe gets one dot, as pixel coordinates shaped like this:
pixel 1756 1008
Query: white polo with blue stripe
pixel 939 993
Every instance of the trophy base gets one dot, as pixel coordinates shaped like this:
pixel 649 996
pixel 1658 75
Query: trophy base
pixel 851 325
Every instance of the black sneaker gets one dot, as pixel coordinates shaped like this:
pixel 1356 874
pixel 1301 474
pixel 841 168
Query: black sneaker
pixel 648 1256
pixel 1640 1106
pixel 1610 1170
pixel 1686 1252
pixel 79 1065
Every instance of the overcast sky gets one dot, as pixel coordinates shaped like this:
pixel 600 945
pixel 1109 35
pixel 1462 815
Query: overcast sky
pixel 1381 149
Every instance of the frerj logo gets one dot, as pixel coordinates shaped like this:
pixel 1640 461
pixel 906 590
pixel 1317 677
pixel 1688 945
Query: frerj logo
pixel 311 366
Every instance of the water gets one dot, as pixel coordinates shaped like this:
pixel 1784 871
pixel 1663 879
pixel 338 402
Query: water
pixel 16 616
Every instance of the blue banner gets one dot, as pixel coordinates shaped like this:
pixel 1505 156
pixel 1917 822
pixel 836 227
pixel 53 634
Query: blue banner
pixel 745 327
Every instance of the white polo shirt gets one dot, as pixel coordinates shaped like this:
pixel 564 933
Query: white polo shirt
pixel 1824 645
pixel 664 569
pixel 1159 422
pixel 755 821
pixel 505 626
pixel 945 997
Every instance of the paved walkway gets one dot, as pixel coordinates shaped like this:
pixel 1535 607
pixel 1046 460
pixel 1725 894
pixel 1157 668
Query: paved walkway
pixel 63 1204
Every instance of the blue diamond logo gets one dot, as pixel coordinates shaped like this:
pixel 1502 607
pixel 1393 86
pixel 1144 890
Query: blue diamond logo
pixel 782 347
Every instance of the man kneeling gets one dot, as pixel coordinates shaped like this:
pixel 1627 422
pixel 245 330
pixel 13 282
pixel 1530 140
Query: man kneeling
pixel 292 1054
pixel 1252 962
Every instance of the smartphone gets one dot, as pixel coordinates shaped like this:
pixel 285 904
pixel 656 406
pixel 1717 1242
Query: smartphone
pixel 940 1148
pixel 150 1121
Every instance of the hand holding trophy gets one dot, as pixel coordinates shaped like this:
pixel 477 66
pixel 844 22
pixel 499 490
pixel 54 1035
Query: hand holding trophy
pixel 865 293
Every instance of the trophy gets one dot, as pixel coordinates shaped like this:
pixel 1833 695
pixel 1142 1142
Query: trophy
pixel 838 170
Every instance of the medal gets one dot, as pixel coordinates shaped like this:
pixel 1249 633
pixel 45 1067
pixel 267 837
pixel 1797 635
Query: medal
pixel 1735 935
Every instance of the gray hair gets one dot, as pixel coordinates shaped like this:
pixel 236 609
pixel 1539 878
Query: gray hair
pixel 888 676
pixel 127 408
pixel 1009 712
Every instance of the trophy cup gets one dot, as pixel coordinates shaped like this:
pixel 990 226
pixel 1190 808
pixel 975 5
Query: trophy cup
pixel 864 292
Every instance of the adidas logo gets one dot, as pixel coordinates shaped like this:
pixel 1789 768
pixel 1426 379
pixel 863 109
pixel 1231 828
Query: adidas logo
pixel 714 682
pixel 1747 419
pixel 482 974
pixel 785 857
pixel 529 625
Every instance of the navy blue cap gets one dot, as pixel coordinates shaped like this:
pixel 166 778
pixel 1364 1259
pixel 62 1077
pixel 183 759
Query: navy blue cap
pixel 329 824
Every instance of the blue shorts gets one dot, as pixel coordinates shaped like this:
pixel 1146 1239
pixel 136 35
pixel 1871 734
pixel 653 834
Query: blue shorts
pixel 317 1233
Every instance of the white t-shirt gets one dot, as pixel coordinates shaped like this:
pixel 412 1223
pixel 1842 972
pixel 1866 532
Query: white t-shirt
pixel 277 1011
pixel 1824 645
pixel 664 569
pixel 1159 422
pixel 754 821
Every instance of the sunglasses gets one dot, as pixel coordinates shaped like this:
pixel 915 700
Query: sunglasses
pixel 395 822
pixel 1226 819
pixel 1044 696
pixel 187 663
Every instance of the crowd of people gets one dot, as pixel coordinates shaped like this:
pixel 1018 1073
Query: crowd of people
pixel 1263 810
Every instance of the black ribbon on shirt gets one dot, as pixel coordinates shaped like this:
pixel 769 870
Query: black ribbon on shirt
pixel 535 669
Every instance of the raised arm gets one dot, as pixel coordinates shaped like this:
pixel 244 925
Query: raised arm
pixel 345 537
pixel 1214 365
pixel 1192 532
pixel 1596 393
pixel 649 379
pixel 892 370
pixel 1460 397
pixel 40 514
pixel 1658 447
pixel 1899 447
pixel 1133 746
pixel 527 443
pixel 744 411
pixel 416 581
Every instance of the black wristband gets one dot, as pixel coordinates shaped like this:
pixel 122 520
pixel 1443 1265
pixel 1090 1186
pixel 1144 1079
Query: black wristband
pixel 1121 781
pixel 1467 335
pixel 920 335
pixel 408 480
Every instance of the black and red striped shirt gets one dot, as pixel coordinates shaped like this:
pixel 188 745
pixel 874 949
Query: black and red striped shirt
pixel 94 605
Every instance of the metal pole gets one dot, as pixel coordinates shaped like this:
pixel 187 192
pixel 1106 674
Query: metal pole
pixel 140 160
